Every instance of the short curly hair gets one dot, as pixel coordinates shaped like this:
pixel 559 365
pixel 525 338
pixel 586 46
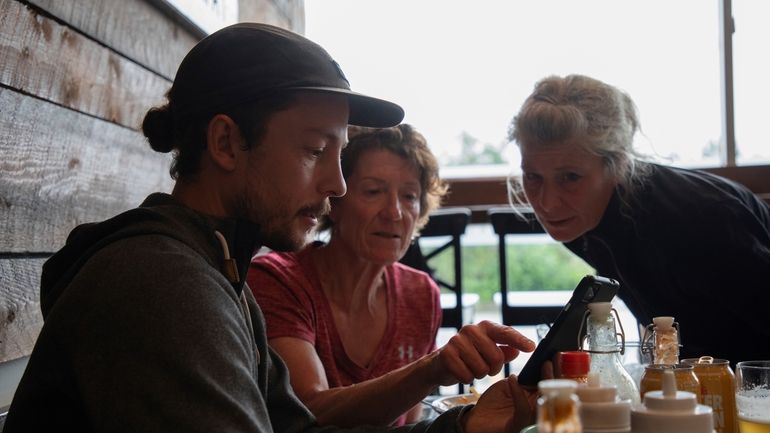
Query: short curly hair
pixel 404 141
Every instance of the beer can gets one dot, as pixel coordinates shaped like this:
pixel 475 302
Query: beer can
pixel 717 383
pixel 684 374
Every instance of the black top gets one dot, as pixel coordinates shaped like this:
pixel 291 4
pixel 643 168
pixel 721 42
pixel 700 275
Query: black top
pixel 694 246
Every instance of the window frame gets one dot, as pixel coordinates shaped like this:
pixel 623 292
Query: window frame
pixel 484 192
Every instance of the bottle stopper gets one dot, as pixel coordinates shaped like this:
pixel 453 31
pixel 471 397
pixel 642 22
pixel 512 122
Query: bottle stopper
pixel 557 388
pixel 600 310
pixel 663 323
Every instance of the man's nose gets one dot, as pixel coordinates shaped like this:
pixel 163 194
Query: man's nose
pixel 334 183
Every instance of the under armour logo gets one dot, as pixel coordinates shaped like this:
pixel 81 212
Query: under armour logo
pixel 407 353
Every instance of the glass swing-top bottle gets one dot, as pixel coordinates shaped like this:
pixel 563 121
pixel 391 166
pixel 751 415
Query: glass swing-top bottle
pixel 605 352
pixel 661 340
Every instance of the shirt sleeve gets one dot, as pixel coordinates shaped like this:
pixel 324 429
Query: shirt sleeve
pixel 284 293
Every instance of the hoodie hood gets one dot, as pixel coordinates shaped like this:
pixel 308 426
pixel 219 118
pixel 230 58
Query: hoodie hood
pixel 159 214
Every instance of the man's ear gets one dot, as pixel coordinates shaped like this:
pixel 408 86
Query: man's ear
pixel 223 141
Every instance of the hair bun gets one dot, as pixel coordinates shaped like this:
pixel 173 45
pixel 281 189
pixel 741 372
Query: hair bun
pixel 158 127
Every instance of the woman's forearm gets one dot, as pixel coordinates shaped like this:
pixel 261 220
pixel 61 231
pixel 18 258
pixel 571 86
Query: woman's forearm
pixel 378 401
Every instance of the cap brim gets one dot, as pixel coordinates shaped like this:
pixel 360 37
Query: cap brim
pixel 366 110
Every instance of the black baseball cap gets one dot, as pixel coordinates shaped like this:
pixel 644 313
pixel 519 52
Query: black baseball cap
pixel 246 61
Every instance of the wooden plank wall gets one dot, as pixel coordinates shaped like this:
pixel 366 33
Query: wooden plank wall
pixel 76 78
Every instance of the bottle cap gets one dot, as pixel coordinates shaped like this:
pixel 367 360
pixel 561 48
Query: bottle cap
pixel 600 410
pixel 594 392
pixel 575 363
pixel 663 323
pixel 557 388
pixel 670 411
pixel 600 309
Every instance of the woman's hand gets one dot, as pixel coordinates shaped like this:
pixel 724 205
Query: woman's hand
pixel 477 351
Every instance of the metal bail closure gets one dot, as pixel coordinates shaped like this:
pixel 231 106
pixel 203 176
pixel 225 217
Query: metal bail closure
pixel 618 335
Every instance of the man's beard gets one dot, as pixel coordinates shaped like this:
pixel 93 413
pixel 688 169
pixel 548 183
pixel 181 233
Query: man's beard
pixel 276 221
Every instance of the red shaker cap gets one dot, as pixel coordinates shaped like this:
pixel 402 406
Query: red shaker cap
pixel 576 363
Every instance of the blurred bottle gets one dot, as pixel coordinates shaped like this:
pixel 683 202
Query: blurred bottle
pixel 600 409
pixel 671 411
pixel 605 353
pixel 684 374
pixel 575 365
pixel 558 407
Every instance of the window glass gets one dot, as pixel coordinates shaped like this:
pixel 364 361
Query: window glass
pixel 462 69
pixel 549 265
pixel 751 71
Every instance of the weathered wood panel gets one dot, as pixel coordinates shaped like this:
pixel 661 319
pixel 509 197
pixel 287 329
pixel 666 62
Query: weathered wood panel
pixel 71 73
pixel 19 306
pixel 49 60
pixel 133 28
pixel 61 168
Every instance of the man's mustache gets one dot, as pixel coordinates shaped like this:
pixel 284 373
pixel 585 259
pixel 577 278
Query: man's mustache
pixel 318 210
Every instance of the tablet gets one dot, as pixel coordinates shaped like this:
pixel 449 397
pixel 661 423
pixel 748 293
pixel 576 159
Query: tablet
pixel 563 335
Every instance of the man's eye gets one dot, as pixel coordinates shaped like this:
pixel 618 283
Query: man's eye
pixel 316 151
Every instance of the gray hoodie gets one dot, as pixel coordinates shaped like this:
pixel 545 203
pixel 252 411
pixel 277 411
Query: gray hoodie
pixel 146 331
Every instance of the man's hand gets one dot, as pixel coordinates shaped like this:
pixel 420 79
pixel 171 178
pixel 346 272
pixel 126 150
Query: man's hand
pixel 477 351
pixel 506 407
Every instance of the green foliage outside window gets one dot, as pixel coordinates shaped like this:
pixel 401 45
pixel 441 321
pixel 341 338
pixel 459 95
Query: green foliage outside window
pixel 530 267
pixel 474 152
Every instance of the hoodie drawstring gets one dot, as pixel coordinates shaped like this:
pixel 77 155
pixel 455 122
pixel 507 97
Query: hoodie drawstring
pixel 230 269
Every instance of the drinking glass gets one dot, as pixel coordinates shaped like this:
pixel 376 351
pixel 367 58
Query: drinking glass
pixel 752 396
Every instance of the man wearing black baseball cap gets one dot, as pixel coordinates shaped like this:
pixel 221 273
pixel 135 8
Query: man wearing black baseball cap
pixel 147 323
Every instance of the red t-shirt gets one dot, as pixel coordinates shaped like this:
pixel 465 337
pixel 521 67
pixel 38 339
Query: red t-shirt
pixel 289 293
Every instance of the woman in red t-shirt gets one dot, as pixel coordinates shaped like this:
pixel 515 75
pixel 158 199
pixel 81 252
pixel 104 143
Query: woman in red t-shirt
pixel 356 328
